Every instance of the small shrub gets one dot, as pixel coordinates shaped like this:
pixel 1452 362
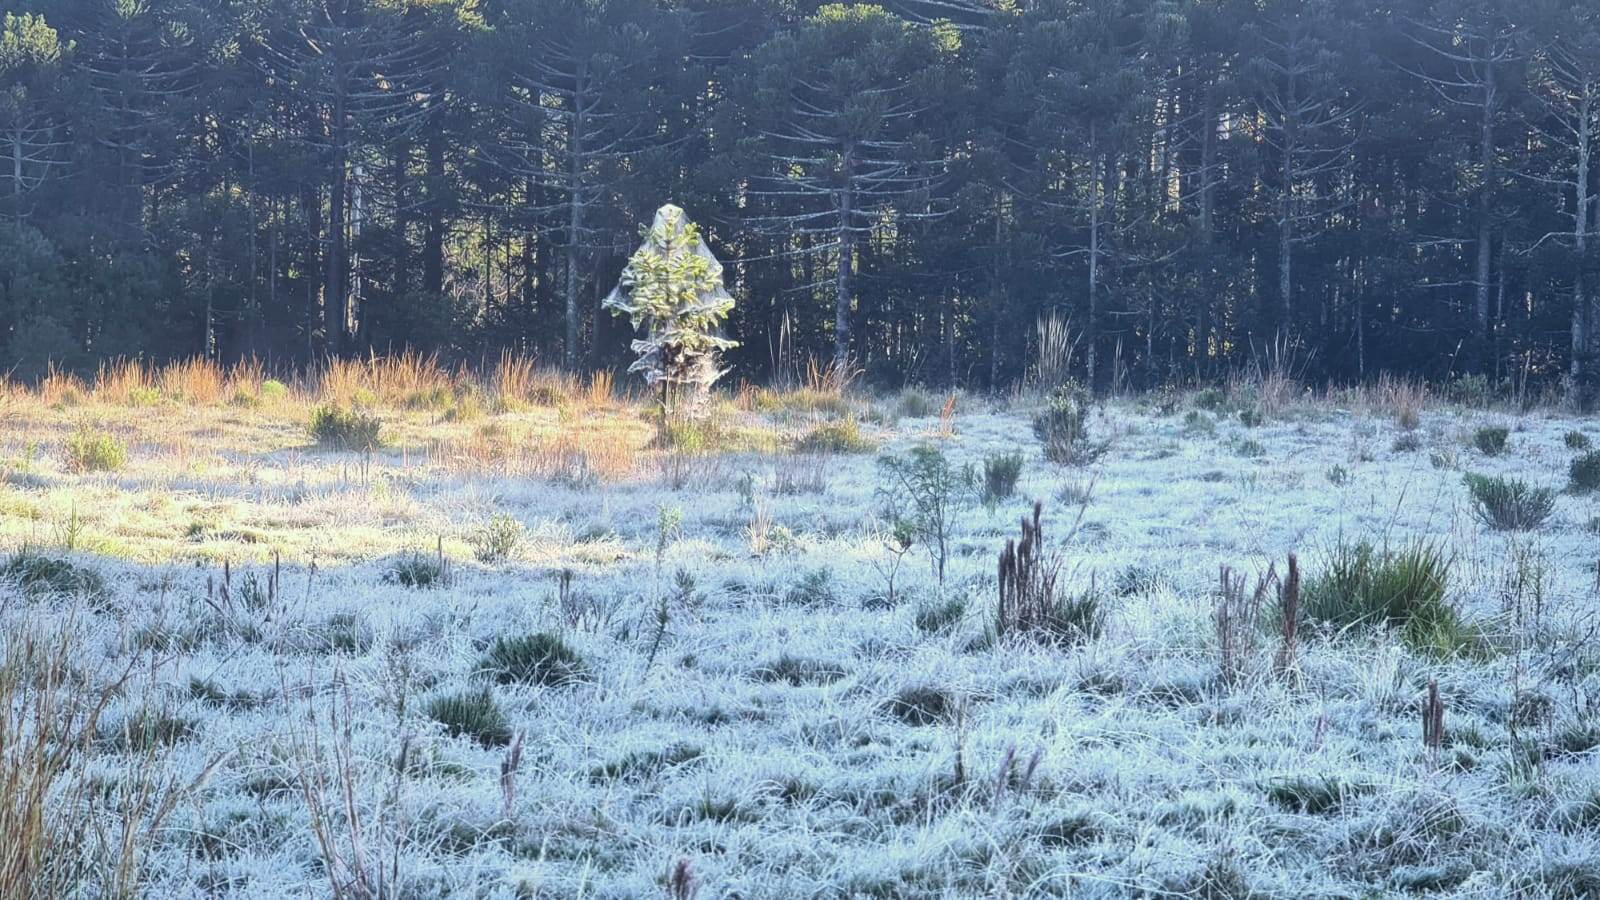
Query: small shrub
pixel 1250 448
pixel 272 390
pixel 35 573
pixel 1509 504
pixel 418 571
pixel 836 436
pixel 1576 440
pixel 497 540
pixel 337 429
pixel 1407 442
pixel 933 617
pixel 921 705
pixel 1338 475
pixel 923 490
pixel 1000 474
pixel 1491 439
pixel 1196 422
pixel 1583 475
pixel 91 450
pixel 1251 417
pixel 542 659
pixel 1404 589
pixel 916 403
pixel 1212 399
pixel 474 714
pixel 1062 426
pixel 815 588
pixel 143 396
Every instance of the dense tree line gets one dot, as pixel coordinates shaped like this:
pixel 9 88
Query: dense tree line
pixel 1407 185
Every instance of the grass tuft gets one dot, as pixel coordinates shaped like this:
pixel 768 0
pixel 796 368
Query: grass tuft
pixel 542 659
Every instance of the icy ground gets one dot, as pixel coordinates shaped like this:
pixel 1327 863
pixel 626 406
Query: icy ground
pixel 788 732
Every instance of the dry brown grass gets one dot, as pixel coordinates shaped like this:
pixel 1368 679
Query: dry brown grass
pixel 1402 398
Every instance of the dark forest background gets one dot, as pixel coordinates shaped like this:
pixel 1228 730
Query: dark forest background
pixel 1399 186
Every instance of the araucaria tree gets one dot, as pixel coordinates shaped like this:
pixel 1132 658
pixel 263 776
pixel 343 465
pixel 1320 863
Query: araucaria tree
pixel 672 287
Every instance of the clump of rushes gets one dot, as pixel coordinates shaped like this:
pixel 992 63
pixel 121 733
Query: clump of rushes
pixel 542 659
pixel 1405 589
pixel 1576 440
pixel 1491 439
pixel 1509 504
pixel 1583 475
pixel 474 714
pixel 1000 475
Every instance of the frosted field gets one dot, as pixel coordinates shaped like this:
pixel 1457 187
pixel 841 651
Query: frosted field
pixel 750 714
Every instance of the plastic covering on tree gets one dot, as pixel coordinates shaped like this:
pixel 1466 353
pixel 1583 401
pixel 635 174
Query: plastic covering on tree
pixel 672 288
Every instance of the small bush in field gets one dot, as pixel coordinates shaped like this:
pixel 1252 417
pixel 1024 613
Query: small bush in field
pixel 1407 442
pixel 91 450
pixel 916 403
pixel 1491 439
pixel 1583 474
pixel 272 390
pixel 543 659
pixel 35 573
pixel 144 396
pixel 1063 425
pixel 838 436
pixel 418 571
pixel 498 539
pixel 1000 475
pixel 340 430
pixel 1576 440
pixel 1404 589
pixel 1212 399
pixel 474 714
pixel 1509 504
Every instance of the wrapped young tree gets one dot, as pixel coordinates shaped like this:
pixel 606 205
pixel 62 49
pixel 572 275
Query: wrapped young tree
pixel 672 287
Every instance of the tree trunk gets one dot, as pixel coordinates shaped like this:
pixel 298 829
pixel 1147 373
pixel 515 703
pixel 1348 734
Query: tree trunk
pixel 1485 210
pixel 574 219
pixel 1580 296
pixel 844 283
pixel 334 309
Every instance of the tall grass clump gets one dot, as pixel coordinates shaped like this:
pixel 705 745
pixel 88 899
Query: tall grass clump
pixel 339 429
pixel 1000 475
pixel 1403 589
pixel 92 450
pixel 1509 504
pixel 35 573
pixel 474 714
pixel 542 659
pixel 1491 439
pixel 1583 474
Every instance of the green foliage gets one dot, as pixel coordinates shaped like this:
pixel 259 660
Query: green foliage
pixel 418 571
pixel 37 574
pixel 338 429
pixel 497 539
pixel 1583 473
pixel 923 490
pixel 272 391
pixel 836 436
pixel 1404 589
pixel 1000 475
pixel 92 450
pixel 472 713
pixel 542 659
pixel 672 286
pixel 1509 504
pixel 1491 439
pixel 1062 426
pixel 1576 440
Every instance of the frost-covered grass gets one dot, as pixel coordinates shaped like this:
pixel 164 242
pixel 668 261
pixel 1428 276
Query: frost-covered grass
pixel 690 659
